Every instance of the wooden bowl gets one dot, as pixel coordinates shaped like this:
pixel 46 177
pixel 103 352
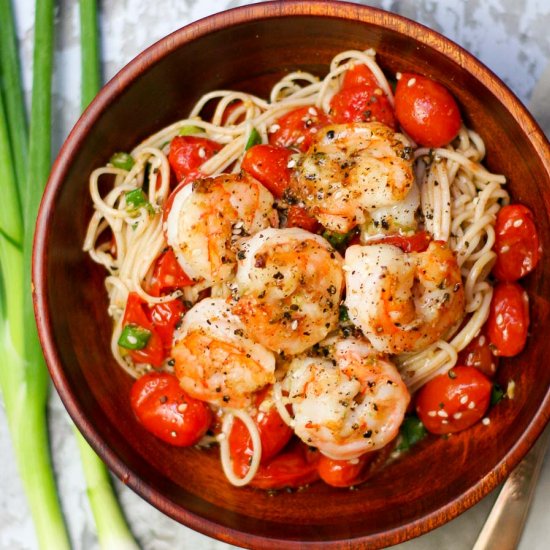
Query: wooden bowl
pixel 249 49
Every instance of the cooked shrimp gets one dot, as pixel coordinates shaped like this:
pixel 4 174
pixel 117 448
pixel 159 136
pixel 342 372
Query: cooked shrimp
pixel 351 168
pixel 403 301
pixel 347 402
pixel 215 361
pixel 206 219
pixel 289 286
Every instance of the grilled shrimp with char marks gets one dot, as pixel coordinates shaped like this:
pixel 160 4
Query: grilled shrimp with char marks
pixel 207 217
pixel 289 286
pixel 403 301
pixel 215 361
pixel 351 168
pixel 346 403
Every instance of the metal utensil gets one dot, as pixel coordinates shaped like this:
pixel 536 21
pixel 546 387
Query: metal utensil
pixel 504 525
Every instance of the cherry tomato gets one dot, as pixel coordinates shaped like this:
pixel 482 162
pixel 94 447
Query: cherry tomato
pixel 229 111
pixel 168 275
pixel 454 401
pixel 167 412
pixel 165 317
pixel 359 75
pixel 516 243
pixel 297 216
pixel 426 110
pixel 293 468
pixel 478 354
pixel 362 103
pixel 136 313
pixel 274 435
pixel 188 153
pixel 343 473
pixel 298 128
pixel 508 319
pixel 418 242
pixel 269 165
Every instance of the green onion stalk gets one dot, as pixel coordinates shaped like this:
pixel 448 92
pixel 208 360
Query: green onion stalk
pixel 112 529
pixel 23 375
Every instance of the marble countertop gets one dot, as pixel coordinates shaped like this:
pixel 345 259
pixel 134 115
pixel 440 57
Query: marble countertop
pixel 510 36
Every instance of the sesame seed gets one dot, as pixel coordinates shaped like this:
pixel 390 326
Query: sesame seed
pixel 273 128
pixel 173 434
pixel 301 139
pixel 457 416
pixel 411 82
pixel 463 399
pixel 432 413
pixel 182 407
pixel 202 152
pixel 313 131
pixel 442 414
pixel 291 163
pixel 444 422
pixel 398 76
pixel 239 224
pixel 486 421
pixel 312 111
pixel 294 324
pixel 505 249
pixel 500 319
pixel 471 405
pixel 518 223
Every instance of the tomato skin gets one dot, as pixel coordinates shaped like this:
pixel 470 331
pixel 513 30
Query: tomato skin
pixel 167 412
pixel 426 110
pixel 185 155
pixel 168 275
pixel 165 317
pixel 297 216
pixel 359 75
pixel 362 104
pixel 516 243
pixel 268 164
pixel 418 242
pixel 274 435
pixel 293 468
pixel 439 406
pixel 136 312
pixel 298 128
pixel 343 473
pixel 508 319
pixel 478 354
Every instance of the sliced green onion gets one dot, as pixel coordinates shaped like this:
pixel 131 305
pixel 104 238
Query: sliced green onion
pixel 254 138
pixel 124 161
pixel 497 393
pixel 343 314
pixel 190 130
pixel 134 337
pixel 135 200
pixel 412 431
pixel 336 239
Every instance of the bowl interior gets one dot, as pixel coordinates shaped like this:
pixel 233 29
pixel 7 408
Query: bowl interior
pixel 439 478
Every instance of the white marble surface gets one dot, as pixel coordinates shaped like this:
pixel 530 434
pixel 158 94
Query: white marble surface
pixel 510 36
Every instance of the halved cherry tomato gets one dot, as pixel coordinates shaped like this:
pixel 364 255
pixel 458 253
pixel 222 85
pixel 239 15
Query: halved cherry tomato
pixel 136 313
pixel 454 401
pixel 167 412
pixel 418 242
pixel 188 153
pixel 359 75
pixel 508 319
pixel 293 468
pixel 229 111
pixel 165 317
pixel 343 473
pixel 168 274
pixel 478 354
pixel 297 216
pixel 362 103
pixel 426 110
pixel 516 243
pixel 269 165
pixel 298 128
pixel 274 435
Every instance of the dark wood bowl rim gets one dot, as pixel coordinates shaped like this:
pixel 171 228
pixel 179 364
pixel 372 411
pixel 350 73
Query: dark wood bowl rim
pixel 76 139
